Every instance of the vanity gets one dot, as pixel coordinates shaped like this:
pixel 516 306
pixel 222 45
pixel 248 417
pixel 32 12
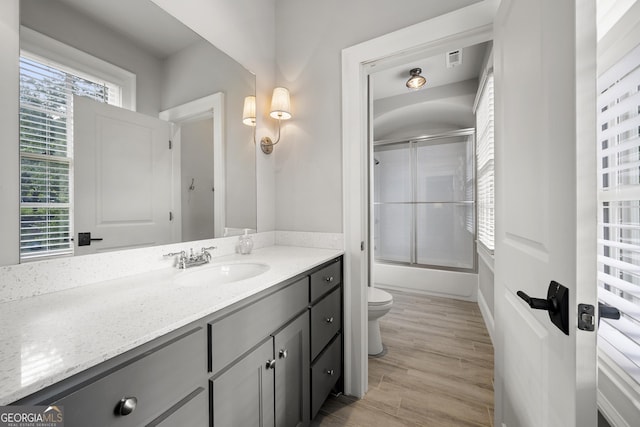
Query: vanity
pixel 266 350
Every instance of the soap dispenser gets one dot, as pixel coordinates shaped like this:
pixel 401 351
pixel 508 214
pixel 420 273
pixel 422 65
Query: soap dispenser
pixel 246 243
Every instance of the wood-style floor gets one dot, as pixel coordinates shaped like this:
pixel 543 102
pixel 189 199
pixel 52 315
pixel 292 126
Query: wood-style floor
pixel 438 370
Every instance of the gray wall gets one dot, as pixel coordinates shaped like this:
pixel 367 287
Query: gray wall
pixel 189 75
pixel 64 24
pixel 310 36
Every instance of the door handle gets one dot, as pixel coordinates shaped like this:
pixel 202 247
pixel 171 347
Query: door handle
pixel 557 304
pixel 85 239
pixel 607 312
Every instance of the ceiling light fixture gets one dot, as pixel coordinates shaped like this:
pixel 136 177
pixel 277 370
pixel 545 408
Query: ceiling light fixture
pixel 416 81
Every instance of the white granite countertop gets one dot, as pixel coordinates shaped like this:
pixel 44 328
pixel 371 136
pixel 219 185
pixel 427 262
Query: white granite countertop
pixel 47 338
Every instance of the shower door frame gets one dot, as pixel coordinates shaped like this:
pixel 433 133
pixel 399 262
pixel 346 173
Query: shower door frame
pixel 414 226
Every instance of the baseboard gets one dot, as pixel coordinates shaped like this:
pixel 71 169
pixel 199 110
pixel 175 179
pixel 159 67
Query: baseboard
pixel 424 292
pixel 486 315
pixel 610 413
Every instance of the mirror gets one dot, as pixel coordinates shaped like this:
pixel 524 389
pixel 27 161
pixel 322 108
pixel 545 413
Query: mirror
pixel 144 60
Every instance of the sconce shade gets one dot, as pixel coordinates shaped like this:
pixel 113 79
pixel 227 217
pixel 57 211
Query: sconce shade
pixel 249 111
pixel 280 104
pixel 416 81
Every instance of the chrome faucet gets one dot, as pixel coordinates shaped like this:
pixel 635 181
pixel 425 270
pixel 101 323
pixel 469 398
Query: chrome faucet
pixel 184 261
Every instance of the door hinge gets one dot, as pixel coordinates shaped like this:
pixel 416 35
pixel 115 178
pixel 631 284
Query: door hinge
pixel 362 245
pixel 586 314
pixel 170 216
pixel 170 145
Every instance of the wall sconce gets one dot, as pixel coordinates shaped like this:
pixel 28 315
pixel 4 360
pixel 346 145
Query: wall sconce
pixel 280 110
pixel 249 111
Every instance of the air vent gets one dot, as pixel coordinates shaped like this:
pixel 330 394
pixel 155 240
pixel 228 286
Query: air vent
pixel 454 58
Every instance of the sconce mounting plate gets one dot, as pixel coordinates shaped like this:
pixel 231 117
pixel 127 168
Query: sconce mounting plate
pixel 267 145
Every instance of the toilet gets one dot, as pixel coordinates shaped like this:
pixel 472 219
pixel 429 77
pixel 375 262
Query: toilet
pixel 379 304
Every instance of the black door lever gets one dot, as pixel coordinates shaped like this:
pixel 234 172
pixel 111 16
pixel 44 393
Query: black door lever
pixel 607 312
pixel 557 304
pixel 535 303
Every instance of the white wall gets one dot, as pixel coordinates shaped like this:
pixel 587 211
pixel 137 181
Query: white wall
pixel 310 36
pixel 9 154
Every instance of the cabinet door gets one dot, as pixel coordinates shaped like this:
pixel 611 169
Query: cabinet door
pixel 292 373
pixel 243 394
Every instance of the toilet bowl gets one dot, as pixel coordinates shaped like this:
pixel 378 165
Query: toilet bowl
pixel 379 304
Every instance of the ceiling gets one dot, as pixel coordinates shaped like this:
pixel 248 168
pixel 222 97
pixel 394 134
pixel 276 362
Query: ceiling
pixel 141 21
pixel 391 81
pixel 444 103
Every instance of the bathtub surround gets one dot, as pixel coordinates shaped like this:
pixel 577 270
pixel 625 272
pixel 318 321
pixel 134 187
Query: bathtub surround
pixel 42 277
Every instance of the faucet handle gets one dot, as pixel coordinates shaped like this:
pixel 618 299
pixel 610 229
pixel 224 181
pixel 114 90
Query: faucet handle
pixel 181 253
pixel 210 248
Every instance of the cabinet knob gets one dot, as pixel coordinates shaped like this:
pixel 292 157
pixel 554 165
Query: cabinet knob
pixel 283 354
pixel 271 364
pixel 330 372
pixel 329 279
pixel 126 406
pixel 329 320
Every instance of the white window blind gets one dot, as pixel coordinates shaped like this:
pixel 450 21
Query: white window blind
pixel 619 210
pixel 46 151
pixel 485 164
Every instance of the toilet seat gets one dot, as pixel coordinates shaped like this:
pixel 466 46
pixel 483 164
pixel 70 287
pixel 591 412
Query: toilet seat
pixel 378 297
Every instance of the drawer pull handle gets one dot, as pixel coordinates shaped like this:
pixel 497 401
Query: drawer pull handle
pixel 126 406
pixel 271 364
pixel 283 354
pixel 329 320
pixel 328 279
pixel 330 372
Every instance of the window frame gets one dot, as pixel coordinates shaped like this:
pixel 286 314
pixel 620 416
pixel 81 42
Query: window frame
pixel 37 47
pixel 481 169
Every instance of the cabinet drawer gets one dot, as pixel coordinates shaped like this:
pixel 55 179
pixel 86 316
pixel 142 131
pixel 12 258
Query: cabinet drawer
pixel 232 336
pixel 322 281
pixel 193 411
pixel 158 379
pixel 326 321
pixel 325 372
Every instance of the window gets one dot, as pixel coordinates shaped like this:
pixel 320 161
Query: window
pixel 485 164
pixel 46 151
pixel 619 210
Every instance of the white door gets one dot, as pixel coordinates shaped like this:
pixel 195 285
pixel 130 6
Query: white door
pixel 122 177
pixel 545 209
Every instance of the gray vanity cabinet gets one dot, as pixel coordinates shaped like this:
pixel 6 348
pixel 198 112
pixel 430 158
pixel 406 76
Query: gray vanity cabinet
pixel 326 333
pixel 146 387
pixel 268 385
pixel 269 360
pixel 243 394
pixel 291 346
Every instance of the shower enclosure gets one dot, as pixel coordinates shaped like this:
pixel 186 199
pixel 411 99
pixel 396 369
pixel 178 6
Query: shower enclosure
pixel 424 201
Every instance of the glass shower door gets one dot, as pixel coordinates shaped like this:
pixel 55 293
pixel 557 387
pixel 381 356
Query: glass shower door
pixel 393 209
pixel 424 201
pixel 445 224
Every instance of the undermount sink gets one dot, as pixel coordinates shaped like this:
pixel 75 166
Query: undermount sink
pixel 217 274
